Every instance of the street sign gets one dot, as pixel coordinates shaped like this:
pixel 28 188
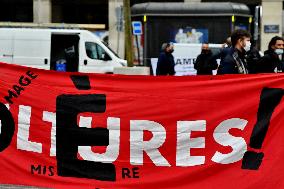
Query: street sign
pixel 137 28
pixel 271 28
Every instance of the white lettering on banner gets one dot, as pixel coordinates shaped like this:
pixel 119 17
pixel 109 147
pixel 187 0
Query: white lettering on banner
pixel 137 145
pixel 185 143
pixel 23 142
pixel 51 117
pixel 223 137
pixel 185 61
pixel 112 150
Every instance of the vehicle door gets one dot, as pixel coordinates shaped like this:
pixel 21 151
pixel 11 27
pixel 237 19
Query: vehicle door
pixel 96 59
pixel 6 47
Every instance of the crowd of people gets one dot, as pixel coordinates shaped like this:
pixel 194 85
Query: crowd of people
pixel 237 56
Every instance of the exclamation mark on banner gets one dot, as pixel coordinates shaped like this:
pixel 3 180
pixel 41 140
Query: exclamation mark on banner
pixel 269 99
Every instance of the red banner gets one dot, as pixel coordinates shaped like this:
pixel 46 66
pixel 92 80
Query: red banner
pixel 73 130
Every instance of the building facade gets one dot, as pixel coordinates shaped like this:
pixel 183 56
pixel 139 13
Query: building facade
pixel 109 14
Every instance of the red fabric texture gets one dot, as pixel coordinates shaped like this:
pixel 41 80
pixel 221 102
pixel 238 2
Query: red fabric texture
pixel 164 100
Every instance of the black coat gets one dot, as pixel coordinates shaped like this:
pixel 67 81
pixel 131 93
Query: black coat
pixel 205 63
pixel 269 62
pixel 166 64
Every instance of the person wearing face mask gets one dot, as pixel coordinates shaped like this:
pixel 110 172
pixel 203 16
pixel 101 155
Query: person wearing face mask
pixel 166 64
pixel 205 62
pixel 235 61
pixel 271 61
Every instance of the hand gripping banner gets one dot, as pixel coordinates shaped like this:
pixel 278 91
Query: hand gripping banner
pixel 75 130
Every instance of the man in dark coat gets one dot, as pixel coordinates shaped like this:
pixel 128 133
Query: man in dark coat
pixel 225 50
pixel 205 62
pixel 166 63
pixel 271 62
pixel 235 62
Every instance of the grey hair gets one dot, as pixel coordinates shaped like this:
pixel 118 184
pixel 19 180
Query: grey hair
pixel 164 46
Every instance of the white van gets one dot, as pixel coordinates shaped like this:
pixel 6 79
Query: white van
pixel 57 49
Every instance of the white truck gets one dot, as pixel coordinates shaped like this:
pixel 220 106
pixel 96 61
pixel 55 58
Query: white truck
pixel 57 49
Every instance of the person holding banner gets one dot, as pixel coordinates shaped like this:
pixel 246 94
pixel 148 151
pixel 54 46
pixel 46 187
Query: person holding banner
pixel 166 63
pixel 205 62
pixel 235 62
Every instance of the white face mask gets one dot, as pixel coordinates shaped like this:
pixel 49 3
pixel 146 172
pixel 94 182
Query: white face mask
pixel 247 47
pixel 279 51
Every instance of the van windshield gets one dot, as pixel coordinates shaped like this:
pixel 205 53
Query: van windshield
pixel 110 49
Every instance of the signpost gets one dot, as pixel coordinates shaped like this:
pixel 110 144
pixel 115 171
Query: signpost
pixel 137 30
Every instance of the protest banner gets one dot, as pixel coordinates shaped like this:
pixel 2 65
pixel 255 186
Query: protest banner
pixel 76 130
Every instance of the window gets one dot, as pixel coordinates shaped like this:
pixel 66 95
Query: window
pixel 95 51
pixel 16 11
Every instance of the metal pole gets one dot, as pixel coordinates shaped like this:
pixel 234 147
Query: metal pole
pixel 145 53
pixel 137 45
pixel 119 24
pixel 118 36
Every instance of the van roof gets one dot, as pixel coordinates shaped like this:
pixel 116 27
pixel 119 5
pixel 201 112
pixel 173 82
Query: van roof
pixel 48 30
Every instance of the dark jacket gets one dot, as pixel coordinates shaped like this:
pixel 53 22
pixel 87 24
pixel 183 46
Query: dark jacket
pixel 233 63
pixel 252 58
pixel 269 62
pixel 166 64
pixel 205 63
pixel 223 53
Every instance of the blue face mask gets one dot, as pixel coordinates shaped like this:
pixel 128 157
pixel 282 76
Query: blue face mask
pixel 279 51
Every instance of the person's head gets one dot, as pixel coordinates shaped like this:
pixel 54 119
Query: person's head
pixel 169 48
pixel 228 42
pixel 163 47
pixel 205 48
pixel 241 40
pixel 276 44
